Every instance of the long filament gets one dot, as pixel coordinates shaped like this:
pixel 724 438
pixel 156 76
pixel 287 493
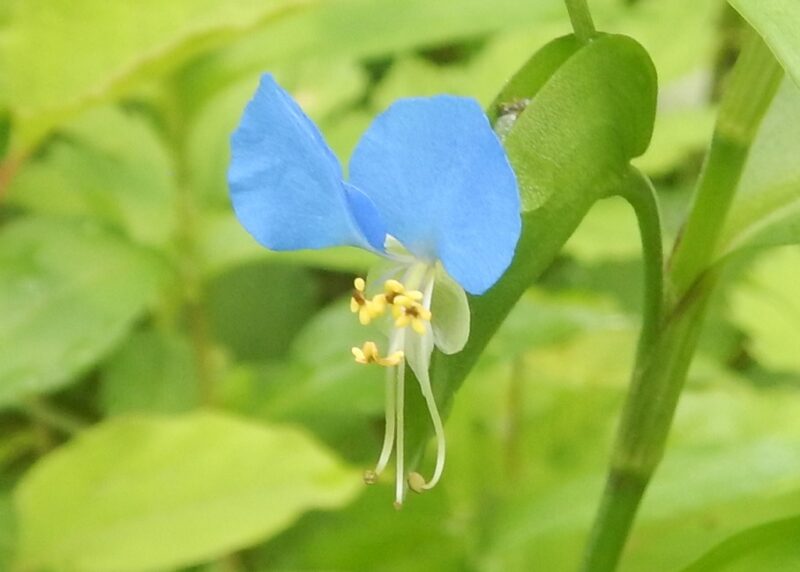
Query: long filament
pixel 400 481
pixel 430 401
pixel 388 436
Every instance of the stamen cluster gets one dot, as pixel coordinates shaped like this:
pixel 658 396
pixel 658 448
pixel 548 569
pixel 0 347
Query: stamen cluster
pixel 407 310
pixel 408 307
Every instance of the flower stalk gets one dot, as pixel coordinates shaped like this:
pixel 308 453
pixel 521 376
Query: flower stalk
pixel 581 19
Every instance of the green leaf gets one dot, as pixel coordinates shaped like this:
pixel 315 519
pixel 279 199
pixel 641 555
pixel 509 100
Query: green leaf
pixel 319 385
pixel 551 147
pixel 778 22
pixel 256 310
pixel 570 147
pixel 152 372
pixel 109 165
pixel 766 211
pixel 773 546
pixel 767 307
pixel 68 293
pixel 371 535
pixel 144 493
pixel 57 59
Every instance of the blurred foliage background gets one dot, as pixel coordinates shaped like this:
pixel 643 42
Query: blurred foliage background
pixel 174 397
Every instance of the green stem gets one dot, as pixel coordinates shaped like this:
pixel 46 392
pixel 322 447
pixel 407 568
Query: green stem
pixel 661 367
pixel 750 90
pixel 637 189
pixel 581 19
pixel 646 420
pixel 189 263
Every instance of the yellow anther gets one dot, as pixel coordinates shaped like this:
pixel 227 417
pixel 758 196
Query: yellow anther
pixel 416 482
pixel 408 311
pixel 367 310
pixel 368 353
pixel 392 289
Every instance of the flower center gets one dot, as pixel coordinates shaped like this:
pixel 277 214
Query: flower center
pixel 409 303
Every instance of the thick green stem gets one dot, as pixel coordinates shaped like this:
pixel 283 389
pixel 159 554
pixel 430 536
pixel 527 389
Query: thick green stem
pixel 646 419
pixel 750 90
pixel 581 19
pixel 662 364
pixel 189 264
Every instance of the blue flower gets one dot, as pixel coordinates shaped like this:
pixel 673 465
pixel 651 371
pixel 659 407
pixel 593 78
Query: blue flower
pixel 430 189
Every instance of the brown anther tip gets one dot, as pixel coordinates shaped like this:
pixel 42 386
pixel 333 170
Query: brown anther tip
pixel 398 505
pixel 370 477
pixel 416 482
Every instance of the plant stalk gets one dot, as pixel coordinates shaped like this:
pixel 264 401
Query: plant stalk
pixel 750 90
pixel 581 19
pixel 646 419
pixel 663 362
pixel 189 263
pixel 637 189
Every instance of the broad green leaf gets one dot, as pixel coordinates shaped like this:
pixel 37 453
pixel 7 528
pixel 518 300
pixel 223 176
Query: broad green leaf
pixel 68 293
pixel 773 546
pixel 777 21
pixel 59 58
pixel 256 310
pixel 766 211
pixel 570 147
pixel 152 372
pixel 110 165
pixel 148 493
pixel 766 305
pixel 319 384
pixel 585 96
pixel 371 535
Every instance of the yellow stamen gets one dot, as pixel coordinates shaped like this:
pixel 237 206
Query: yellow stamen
pixel 369 353
pixel 367 310
pixel 407 310
pixel 392 289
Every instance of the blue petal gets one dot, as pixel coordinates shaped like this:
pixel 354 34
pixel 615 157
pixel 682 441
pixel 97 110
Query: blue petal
pixel 286 184
pixel 367 217
pixel 442 181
